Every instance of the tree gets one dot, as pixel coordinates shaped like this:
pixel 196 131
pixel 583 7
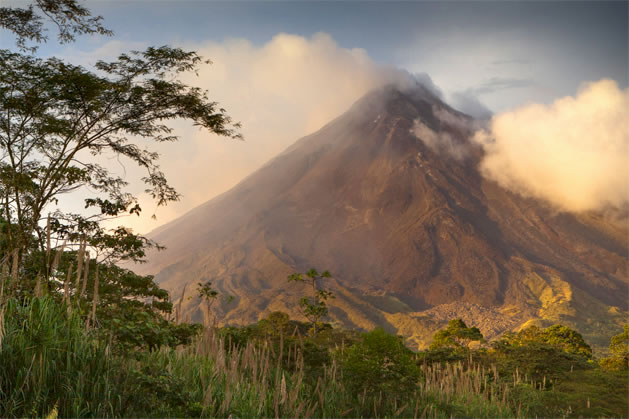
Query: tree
pixel 70 18
pixel 539 353
pixel 56 121
pixel 314 307
pixel 570 341
pixel 275 324
pixel 57 118
pixel 558 336
pixel 456 336
pixel 134 310
pixel 210 295
pixel 619 351
pixel 207 294
pixel 380 365
pixel 129 310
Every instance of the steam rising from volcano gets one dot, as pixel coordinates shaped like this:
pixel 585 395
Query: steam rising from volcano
pixel 573 152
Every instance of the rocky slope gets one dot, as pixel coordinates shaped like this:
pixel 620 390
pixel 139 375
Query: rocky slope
pixel 388 198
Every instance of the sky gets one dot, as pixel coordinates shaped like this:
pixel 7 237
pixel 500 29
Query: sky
pixel 283 69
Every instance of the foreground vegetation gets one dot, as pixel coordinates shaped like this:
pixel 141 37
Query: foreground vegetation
pixel 50 363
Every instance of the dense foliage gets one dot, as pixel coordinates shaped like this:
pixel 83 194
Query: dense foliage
pixel 456 335
pixel 50 363
pixel 380 365
pixel 619 352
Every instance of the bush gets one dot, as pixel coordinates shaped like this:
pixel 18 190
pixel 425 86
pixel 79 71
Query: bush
pixel 536 361
pixel 619 352
pixel 441 355
pixel 380 363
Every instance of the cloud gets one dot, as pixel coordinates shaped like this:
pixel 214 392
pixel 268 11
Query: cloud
pixel 443 142
pixel 280 91
pixel 509 62
pixel 572 152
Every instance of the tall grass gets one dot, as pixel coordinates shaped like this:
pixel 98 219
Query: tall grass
pixel 267 380
pixel 49 362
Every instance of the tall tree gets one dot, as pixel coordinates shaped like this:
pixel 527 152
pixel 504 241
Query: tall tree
pixel 314 306
pixel 457 336
pixel 619 347
pixel 57 118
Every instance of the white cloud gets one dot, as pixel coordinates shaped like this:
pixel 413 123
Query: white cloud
pixel 573 152
pixel 443 141
pixel 280 91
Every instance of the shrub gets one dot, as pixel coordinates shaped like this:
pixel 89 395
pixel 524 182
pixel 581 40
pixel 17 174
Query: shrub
pixel 380 363
pixel 619 352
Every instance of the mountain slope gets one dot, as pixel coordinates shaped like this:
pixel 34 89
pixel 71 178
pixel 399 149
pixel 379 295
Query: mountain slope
pixel 413 234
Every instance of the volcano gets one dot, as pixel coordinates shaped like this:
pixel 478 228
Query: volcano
pixel 388 197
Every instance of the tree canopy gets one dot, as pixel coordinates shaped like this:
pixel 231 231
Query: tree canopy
pixel 69 17
pixel 58 121
pixel 618 351
pixel 455 335
pixel 380 364
pixel 560 337
pixel 56 117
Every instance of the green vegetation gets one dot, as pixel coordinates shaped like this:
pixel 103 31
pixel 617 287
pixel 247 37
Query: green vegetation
pixel 457 336
pixel 314 307
pixel 619 352
pixel 380 364
pixel 50 362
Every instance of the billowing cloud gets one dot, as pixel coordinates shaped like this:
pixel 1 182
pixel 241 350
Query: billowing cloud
pixel 443 142
pixel 279 91
pixel 573 152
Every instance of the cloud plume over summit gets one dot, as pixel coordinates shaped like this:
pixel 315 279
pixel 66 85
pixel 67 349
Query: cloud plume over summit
pixel 280 91
pixel 573 152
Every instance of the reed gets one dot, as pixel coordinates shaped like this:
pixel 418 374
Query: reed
pixel 50 362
